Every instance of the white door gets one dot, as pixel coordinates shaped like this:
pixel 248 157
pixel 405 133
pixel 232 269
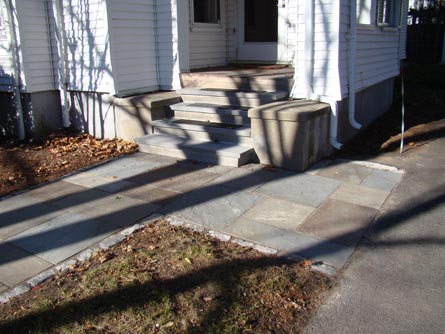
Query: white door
pixel 261 31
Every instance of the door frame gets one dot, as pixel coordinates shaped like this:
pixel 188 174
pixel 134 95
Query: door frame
pixel 252 51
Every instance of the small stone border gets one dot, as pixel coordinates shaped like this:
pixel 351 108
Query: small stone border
pixel 118 237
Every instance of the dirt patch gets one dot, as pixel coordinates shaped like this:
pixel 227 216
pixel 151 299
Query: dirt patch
pixel 166 279
pixel 26 164
pixel 424 114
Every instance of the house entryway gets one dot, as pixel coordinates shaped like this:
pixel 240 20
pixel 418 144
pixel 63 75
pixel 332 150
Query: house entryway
pixel 211 123
pixel 260 30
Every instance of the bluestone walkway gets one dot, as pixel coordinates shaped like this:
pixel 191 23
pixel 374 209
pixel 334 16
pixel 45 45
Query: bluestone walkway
pixel 320 214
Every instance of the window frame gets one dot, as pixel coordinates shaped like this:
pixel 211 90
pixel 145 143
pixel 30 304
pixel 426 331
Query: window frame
pixel 394 15
pixel 206 25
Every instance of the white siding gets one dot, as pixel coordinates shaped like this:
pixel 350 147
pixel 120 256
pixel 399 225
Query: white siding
pixel 208 44
pixel 291 30
pixel 167 29
pixel 378 51
pixel 87 37
pixel 133 45
pixel 325 83
pixel 6 71
pixel 38 66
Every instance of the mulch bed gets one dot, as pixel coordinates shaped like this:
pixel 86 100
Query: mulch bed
pixel 23 164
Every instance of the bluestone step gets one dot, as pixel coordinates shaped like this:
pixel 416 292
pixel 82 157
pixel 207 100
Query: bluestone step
pixel 207 131
pixel 211 113
pixel 226 154
pixel 232 97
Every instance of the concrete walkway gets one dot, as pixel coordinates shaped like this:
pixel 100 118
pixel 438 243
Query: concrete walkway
pixel 394 282
pixel 320 215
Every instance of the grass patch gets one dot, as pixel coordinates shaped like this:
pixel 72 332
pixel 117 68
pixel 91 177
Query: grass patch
pixel 165 279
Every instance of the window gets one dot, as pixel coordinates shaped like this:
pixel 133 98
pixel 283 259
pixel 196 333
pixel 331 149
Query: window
pixel 206 11
pixel 388 12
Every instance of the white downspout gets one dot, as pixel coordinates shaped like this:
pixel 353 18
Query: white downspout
pixel 334 126
pixel 16 65
pixel 352 56
pixel 61 43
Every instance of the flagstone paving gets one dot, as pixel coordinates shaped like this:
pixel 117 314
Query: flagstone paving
pixel 321 214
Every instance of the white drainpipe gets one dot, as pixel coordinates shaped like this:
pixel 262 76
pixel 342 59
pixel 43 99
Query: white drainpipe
pixel 16 65
pixel 62 50
pixel 352 56
pixel 333 138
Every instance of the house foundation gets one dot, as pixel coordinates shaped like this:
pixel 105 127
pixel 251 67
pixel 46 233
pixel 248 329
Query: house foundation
pixel 370 103
pixel 105 116
pixel 41 113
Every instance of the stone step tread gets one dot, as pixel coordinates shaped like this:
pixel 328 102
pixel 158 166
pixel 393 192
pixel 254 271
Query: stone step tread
pixel 240 130
pixel 210 108
pixel 174 142
pixel 233 93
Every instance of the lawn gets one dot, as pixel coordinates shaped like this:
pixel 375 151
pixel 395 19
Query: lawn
pixel 166 279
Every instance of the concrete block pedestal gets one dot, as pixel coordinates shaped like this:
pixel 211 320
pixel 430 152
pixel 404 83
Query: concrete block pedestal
pixel 291 134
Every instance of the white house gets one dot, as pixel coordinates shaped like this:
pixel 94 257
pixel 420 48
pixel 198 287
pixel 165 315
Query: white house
pixel 88 56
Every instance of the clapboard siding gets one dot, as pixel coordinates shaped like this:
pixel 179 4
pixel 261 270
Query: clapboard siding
pixel 132 31
pixel 167 32
pixel 38 65
pixel 208 44
pixel 88 47
pixel 378 51
pixel 325 74
pixel 6 69
pixel 291 30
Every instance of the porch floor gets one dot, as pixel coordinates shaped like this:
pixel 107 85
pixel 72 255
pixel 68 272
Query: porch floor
pixel 253 77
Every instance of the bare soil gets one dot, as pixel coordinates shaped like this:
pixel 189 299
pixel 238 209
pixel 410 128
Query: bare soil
pixel 166 279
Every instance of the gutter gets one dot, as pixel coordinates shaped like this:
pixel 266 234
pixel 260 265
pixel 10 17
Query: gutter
pixel 16 68
pixel 352 56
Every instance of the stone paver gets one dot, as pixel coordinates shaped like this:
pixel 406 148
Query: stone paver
pixel 150 194
pixel 62 237
pixel 290 242
pixel 16 265
pixel 279 213
pixel 305 189
pixel 175 178
pixel 55 190
pixel 109 184
pixel 20 213
pixel 339 222
pixel 243 179
pixel 113 208
pixel 125 168
pixel 382 180
pixel 360 195
pixel 212 207
pixel 345 172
